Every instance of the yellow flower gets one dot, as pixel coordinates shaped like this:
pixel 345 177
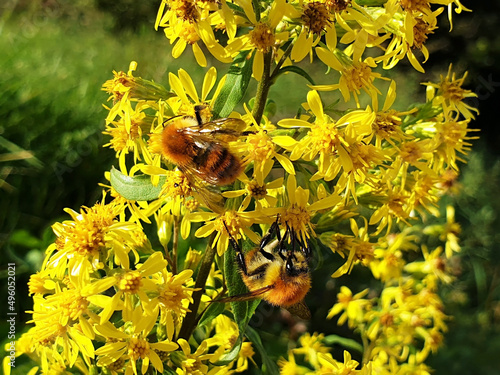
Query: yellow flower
pixel 353 306
pixel 263 36
pixel 174 292
pixel 354 75
pixel 132 287
pixel 298 212
pixel 135 342
pixel 339 144
pixel 186 22
pixel 330 365
pixel 237 222
pixel 196 363
pixel 246 353
pixel 91 238
pixel 450 94
pixel 290 367
pixel 311 347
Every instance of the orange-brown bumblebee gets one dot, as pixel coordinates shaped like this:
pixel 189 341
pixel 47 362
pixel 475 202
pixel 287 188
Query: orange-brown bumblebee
pixel 200 149
pixel 277 271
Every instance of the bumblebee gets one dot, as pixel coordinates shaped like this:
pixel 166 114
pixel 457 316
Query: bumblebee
pixel 200 148
pixel 276 271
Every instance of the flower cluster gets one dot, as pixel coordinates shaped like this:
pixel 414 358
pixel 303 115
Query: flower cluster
pixel 136 284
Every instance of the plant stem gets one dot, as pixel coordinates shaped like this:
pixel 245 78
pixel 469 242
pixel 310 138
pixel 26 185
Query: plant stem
pixel 189 323
pixel 263 88
pixel 175 244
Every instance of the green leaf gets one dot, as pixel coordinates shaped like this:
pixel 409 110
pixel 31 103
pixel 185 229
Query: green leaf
pixel 232 355
pixel 136 188
pixel 214 310
pixel 268 365
pixel 344 342
pixel 242 310
pixel 235 86
pixel 295 69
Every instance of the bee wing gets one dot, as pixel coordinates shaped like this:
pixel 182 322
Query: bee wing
pixel 254 294
pixel 301 310
pixel 224 129
pixel 203 192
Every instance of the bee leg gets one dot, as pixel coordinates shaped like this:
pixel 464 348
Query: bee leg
pixel 269 235
pixel 306 249
pixel 240 257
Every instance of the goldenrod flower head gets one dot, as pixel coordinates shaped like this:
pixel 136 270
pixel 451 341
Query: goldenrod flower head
pixel 124 86
pixel 262 37
pixel 130 282
pixel 174 293
pixel 310 347
pixel 246 353
pixel 316 16
pixel 176 184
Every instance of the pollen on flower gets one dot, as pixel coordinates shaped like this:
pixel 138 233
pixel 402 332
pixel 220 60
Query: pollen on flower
pixel 387 124
pixel 73 305
pixel 117 86
pixel 138 348
pixel 185 10
pixel 411 152
pixel 36 284
pixel 120 136
pixel 130 282
pixel 177 184
pixel 387 319
pixel 262 37
pixel 191 204
pixel 298 218
pixel 421 30
pixel 255 190
pixel 316 17
pixel 337 5
pixel 86 235
pixel 173 293
pixel 416 6
pixel 260 146
pixel 230 221
pixel 116 365
pixel 188 33
pixel 325 138
pixel 358 76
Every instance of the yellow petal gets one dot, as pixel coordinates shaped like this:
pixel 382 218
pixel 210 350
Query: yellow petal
pixel 284 141
pixel 176 86
pixel 178 48
pixel 329 58
pixel 199 55
pixel 294 123
pixel 188 84
pixel 315 104
pixel 302 46
pixel 208 82
pixel 286 164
